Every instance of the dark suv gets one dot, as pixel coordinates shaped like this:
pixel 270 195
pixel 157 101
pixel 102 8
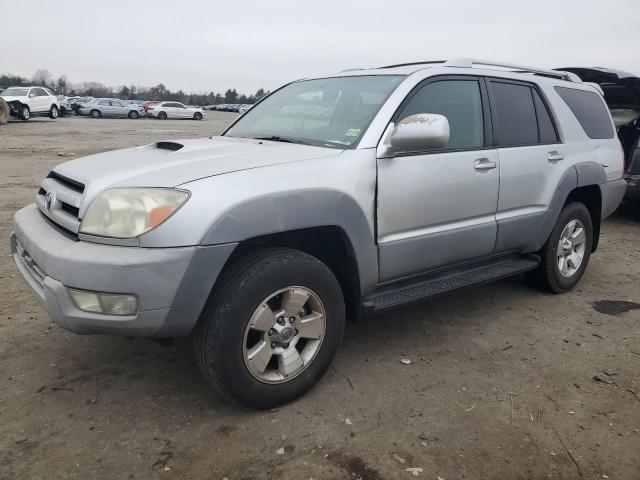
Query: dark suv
pixel 622 94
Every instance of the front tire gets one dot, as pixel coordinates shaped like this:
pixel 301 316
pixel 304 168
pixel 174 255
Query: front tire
pixel 53 112
pixel 25 113
pixel 162 115
pixel 271 329
pixel 565 256
pixel 197 116
pixel 95 114
pixel 133 115
pixel 63 112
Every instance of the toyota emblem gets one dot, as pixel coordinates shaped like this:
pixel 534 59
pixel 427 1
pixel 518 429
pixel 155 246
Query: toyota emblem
pixel 48 200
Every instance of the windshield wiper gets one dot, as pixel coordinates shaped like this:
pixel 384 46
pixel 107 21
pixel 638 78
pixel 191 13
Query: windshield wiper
pixel 277 138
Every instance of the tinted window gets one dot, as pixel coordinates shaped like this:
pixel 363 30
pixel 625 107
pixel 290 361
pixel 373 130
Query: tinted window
pixel 38 92
pixel 546 130
pixel 590 111
pixel 514 114
pixel 460 102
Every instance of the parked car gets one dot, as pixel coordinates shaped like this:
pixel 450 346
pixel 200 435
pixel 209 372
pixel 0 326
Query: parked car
pixel 146 105
pixel 27 102
pixel 66 105
pixel 262 241
pixel 78 103
pixel 164 110
pixel 244 108
pixel 622 94
pixel 111 107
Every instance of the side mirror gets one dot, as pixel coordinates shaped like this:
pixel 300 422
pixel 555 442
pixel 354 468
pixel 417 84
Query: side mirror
pixel 422 131
pixel 31 95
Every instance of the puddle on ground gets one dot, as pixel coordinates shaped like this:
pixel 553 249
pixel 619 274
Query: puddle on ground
pixel 614 307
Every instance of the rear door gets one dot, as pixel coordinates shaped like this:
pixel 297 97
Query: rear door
pixel 170 109
pixel 531 161
pixel 181 110
pixel 436 208
pixel 105 108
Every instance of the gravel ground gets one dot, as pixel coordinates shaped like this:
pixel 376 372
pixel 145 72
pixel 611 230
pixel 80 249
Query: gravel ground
pixel 505 382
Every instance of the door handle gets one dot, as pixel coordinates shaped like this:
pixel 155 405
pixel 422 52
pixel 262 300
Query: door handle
pixel 555 156
pixel 484 164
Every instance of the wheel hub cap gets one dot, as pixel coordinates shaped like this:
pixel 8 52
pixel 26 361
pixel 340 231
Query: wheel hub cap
pixel 571 248
pixel 284 334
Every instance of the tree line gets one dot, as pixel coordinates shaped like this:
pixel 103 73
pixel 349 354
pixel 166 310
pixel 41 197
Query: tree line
pixel 62 86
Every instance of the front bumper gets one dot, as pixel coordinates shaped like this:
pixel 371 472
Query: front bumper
pixel 171 284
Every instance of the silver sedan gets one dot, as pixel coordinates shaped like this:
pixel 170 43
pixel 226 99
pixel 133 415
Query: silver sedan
pixel 111 107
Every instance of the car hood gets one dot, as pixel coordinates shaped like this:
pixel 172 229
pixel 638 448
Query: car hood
pixel 160 165
pixel 8 98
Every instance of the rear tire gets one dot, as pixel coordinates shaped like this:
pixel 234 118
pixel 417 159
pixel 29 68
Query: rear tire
pixel 133 115
pixel 95 114
pixel 24 113
pixel 565 256
pixel 225 339
pixel 162 115
pixel 53 112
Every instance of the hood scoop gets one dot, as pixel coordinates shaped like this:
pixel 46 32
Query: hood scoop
pixel 172 146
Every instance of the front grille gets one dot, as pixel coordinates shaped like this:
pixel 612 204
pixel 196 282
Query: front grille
pixel 58 199
pixel 72 184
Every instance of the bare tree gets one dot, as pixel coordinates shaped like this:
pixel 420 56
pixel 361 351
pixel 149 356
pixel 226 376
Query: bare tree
pixel 42 77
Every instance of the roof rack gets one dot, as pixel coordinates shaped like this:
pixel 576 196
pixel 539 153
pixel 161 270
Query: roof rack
pixel 470 62
pixel 411 64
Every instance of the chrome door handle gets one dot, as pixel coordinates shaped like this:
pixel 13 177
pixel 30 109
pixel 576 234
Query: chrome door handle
pixel 555 156
pixel 484 164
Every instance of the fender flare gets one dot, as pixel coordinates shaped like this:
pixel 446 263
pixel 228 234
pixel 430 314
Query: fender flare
pixel 296 210
pixel 579 175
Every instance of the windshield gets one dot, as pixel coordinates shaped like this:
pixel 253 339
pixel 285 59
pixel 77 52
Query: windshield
pixel 328 112
pixel 15 92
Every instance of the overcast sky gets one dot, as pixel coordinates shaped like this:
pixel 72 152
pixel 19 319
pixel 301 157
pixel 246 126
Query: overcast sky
pixel 202 46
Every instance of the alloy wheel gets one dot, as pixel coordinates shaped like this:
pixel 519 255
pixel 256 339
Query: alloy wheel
pixel 571 248
pixel 284 334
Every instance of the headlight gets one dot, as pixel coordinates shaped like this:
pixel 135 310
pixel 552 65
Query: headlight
pixel 130 212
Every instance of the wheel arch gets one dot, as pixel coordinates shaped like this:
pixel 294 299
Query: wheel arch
pixel 301 210
pixel 582 182
pixel 328 243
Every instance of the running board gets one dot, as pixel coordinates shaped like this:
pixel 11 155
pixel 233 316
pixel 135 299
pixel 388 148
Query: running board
pixel 439 283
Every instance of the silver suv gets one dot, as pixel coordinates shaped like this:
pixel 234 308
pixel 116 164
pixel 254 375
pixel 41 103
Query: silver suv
pixel 332 198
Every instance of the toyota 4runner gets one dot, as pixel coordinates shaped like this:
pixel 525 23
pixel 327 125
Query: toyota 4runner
pixel 332 198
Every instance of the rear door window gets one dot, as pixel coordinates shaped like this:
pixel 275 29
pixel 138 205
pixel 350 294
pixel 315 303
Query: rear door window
pixel 546 130
pixel 590 111
pixel 514 114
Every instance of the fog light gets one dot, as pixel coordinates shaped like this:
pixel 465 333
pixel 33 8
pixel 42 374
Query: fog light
pixel 106 303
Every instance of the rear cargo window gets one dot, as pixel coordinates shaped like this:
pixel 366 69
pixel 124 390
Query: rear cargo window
pixel 590 110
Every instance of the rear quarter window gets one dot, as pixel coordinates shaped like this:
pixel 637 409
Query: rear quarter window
pixel 590 111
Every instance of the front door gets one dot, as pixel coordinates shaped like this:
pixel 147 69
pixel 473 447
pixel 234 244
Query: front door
pixel 437 208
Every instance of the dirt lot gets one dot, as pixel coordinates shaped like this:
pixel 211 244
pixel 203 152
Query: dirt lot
pixel 506 382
